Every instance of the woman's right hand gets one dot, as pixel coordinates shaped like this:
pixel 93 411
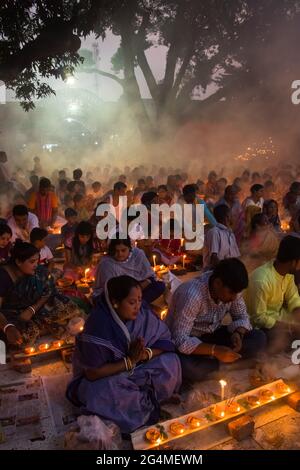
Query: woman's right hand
pixel 13 335
pixel 136 350
pixel 225 354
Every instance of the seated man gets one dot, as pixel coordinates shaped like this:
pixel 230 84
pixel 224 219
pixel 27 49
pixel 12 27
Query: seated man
pixel 220 242
pixel 272 297
pixel 21 223
pixel 195 320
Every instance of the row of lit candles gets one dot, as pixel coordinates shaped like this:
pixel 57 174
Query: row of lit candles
pixel 44 347
pixel 232 407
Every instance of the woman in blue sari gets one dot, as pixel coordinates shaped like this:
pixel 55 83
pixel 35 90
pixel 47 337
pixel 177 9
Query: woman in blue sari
pixel 122 259
pixel 124 361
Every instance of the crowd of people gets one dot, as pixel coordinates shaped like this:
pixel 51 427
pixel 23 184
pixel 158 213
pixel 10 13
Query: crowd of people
pixel 128 360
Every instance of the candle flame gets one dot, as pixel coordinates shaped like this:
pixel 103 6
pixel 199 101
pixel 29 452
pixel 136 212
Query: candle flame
pixel 163 313
pixel 81 328
pixel 222 414
pixel 272 397
pixel 86 272
pixel 29 350
pixel 223 383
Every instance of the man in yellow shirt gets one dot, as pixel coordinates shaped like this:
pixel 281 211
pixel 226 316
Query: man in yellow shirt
pixel 272 297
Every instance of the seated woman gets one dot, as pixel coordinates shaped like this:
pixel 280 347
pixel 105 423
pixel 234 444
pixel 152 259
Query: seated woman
pixel 270 209
pixel 122 259
pixel 30 306
pixel 168 251
pixel 79 256
pixel 262 244
pixel 5 242
pixel 124 363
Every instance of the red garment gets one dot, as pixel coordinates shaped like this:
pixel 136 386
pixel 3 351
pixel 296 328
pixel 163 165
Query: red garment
pixel 173 247
pixel 44 207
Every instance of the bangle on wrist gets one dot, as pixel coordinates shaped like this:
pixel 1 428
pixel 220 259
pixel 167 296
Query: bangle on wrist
pixel 149 353
pixel 32 309
pixel 7 326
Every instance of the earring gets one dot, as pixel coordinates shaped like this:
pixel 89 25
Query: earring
pixel 115 305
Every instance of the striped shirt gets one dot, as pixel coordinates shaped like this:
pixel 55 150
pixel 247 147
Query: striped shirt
pixel 194 313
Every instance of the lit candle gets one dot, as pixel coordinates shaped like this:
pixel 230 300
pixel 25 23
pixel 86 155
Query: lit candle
pixel 86 273
pixel 193 422
pixel 29 350
pixel 44 347
pixel 154 261
pixel 282 388
pixel 223 384
pixel 57 344
pixel 163 313
pixel 182 242
pixel 183 261
pixel 176 428
pixel 135 243
pixel 175 266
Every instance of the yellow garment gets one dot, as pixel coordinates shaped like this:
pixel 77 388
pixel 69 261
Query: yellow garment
pixel 270 296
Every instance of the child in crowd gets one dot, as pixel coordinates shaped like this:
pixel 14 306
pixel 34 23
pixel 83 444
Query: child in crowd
pixel 5 242
pixel 38 238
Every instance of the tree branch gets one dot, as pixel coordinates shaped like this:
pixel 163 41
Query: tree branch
pixel 120 81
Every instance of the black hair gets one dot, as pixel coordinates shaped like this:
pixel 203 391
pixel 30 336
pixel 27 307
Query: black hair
pixel 70 212
pixel 289 249
pixel 148 197
pixel 163 187
pixel 45 183
pixel 38 233
pixel 119 185
pixel 141 181
pixel 118 241
pixel 77 174
pixel 22 251
pixel 83 228
pixel 4 228
pixel 20 209
pixel 95 184
pixel 189 189
pixel 232 273
pixel 220 212
pixel 119 287
pixel 256 187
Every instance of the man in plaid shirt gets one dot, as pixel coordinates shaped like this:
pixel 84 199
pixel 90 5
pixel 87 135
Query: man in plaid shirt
pixel 195 318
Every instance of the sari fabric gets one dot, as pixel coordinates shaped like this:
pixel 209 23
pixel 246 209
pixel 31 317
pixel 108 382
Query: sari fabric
pixel 130 399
